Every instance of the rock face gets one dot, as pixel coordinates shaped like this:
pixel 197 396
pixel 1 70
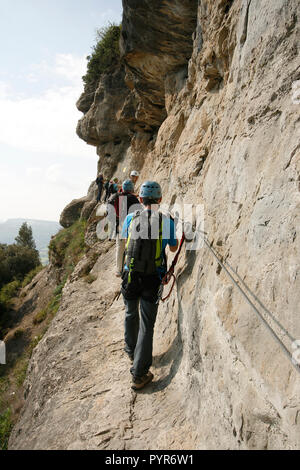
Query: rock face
pixel 101 125
pixel 80 208
pixel 156 41
pixel 72 212
pixel 227 139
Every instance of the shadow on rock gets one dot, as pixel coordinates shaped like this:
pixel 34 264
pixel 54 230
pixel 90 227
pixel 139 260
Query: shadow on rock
pixel 174 354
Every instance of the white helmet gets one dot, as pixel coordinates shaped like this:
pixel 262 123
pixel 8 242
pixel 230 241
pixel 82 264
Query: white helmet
pixel 134 173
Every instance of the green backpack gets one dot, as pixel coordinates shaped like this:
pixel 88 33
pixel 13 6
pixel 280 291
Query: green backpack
pixel 143 254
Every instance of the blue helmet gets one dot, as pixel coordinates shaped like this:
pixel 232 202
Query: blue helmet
pixel 128 186
pixel 150 189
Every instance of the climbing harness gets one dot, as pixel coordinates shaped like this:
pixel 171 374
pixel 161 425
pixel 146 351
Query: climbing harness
pixel 170 274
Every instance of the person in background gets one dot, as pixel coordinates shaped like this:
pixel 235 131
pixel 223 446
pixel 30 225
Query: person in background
pixel 134 175
pixel 125 203
pixel 112 187
pixel 106 186
pixel 100 183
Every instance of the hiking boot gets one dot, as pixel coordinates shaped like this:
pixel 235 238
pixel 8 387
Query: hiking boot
pixel 140 382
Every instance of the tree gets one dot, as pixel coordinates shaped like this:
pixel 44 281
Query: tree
pixel 16 261
pixel 25 237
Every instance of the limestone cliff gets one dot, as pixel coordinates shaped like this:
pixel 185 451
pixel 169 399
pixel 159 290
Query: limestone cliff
pixel 203 102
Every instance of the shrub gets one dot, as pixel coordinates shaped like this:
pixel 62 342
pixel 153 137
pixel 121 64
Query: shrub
pixel 40 316
pixel 16 261
pixel 7 293
pixel 68 246
pixel 104 54
pixel 5 428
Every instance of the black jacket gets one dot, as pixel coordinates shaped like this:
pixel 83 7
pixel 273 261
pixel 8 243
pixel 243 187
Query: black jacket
pixel 99 181
pixel 117 200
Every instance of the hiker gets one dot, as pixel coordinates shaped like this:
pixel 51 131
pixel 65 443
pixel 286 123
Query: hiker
pixel 106 186
pixel 113 187
pixel 111 215
pixel 145 266
pixel 99 182
pixel 124 202
pixel 120 211
pixel 134 175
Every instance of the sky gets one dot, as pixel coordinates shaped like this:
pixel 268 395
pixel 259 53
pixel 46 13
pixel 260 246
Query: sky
pixel 43 49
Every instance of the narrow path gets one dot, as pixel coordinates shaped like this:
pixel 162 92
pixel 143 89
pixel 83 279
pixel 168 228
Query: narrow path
pixel 78 387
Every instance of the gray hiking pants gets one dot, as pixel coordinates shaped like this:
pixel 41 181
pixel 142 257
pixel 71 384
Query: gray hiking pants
pixel 139 329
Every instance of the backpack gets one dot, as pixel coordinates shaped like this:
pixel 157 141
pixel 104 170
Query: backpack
pixel 118 206
pixel 144 255
pixel 113 188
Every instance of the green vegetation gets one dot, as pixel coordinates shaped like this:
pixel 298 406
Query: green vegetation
pixel 68 246
pixel 24 237
pixel 104 54
pixel 40 316
pixel 52 306
pixel 18 259
pixel 5 413
pixel 42 231
pixel 5 428
pixel 7 292
pixel 13 374
pixel 15 262
pixel 20 370
pixel 66 249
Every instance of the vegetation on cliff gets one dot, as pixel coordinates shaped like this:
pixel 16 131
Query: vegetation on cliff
pixel 16 262
pixel 104 54
pixel 68 246
pixel 22 332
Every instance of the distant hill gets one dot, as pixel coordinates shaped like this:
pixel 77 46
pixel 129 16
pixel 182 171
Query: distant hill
pixel 42 231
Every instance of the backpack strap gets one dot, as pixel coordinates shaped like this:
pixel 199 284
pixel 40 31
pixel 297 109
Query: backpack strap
pixel 158 254
pixel 135 215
